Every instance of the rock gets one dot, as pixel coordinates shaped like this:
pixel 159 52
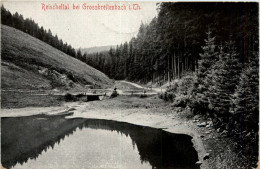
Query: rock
pixel 226 126
pixel 55 90
pixel 218 130
pixel 196 117
pixel 201 124
pixel 210 123
pixel 197 120
pixel 207 132
pixel 198 163
pixel 206 156
pixel 224 133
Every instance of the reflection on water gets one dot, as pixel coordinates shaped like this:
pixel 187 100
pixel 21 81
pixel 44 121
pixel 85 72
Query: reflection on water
pixel 43 141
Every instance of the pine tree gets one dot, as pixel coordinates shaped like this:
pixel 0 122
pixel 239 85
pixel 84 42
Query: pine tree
pixel 208 58
pixel 224 76
pixel 79 55
pixel 245 110
pixel 246 96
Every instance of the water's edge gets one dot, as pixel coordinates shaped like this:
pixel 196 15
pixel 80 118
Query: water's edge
pixel 47 130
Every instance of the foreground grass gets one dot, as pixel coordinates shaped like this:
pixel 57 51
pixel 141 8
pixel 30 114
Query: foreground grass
pixel 21 100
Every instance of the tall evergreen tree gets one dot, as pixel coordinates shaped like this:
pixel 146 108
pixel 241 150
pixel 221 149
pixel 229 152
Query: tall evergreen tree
pixel 224 76
pixel 246 99
pixel 201 86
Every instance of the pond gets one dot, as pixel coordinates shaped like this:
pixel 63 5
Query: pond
pixel 43 141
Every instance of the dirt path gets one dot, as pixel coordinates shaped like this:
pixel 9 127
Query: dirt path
pixel 155 89
pixel 134 84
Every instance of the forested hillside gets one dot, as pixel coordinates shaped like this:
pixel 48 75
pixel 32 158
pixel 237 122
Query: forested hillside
pixel 210 54
pixel 169 46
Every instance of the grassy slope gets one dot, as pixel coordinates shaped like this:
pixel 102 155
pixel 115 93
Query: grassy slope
pixel 23 56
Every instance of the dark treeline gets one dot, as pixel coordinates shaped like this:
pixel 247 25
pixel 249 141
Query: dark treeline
pixel 211 49
pixel 169 46
pixel 30 27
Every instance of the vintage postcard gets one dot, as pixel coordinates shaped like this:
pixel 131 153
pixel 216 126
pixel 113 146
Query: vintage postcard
pixel 129 84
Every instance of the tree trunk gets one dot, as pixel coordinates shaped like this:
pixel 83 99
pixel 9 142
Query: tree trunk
pixel 178 66
pixel 182 68
pixel 196 64
pixel 172 68
pixel 168 69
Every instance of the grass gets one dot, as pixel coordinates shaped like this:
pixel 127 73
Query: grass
pixel 15 77
pixel 23 56
pixel 30 64
pixel 23 99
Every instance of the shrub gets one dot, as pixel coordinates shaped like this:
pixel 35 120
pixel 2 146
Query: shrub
pixel 171 96
pixel 167 96
pixel 181 101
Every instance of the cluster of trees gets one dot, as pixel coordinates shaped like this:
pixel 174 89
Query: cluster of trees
pixel 169 46
pixel 30 27
pixel 228 90
pixel 215 42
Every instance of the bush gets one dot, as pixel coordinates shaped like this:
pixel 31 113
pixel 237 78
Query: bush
pixel 167 96
pixel 181 101
pixel 182 88
pixel 173 87
pixel 171 96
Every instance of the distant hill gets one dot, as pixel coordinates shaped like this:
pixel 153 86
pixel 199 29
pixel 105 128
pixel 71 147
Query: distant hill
pixel 28 63
pixel 96 49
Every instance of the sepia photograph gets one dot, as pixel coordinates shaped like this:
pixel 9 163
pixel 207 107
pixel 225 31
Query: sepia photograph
pixel 129 85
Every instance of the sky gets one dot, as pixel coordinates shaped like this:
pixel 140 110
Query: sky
pixel 87 28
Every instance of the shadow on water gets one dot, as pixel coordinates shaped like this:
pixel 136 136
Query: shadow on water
pixel 25 138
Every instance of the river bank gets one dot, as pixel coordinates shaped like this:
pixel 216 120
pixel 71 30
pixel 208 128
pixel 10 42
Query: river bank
pixel 152 112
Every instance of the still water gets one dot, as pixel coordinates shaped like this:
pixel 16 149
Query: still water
pixel 43 142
